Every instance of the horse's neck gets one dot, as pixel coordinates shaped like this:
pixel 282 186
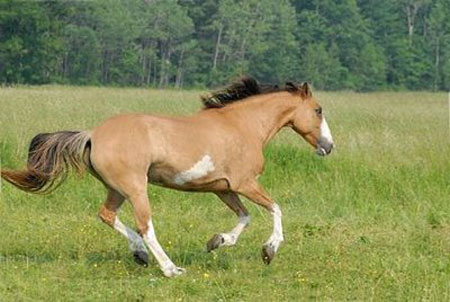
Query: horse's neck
pixel 263 116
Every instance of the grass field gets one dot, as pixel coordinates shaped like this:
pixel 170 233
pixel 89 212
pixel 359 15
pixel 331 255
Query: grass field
pixel 371 222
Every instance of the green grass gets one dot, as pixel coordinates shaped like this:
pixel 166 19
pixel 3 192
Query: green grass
pixel 371 222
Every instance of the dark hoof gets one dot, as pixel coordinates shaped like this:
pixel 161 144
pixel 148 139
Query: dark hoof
pixel 267 253
pixel 141 258
pixel 214 242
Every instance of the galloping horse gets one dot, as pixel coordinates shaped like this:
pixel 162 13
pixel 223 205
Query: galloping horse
pixel 218 150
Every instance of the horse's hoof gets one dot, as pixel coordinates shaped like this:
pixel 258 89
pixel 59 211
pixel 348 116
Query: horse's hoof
pixel 267 253
pixel 215 242
pixel 173 271
pixel 141 258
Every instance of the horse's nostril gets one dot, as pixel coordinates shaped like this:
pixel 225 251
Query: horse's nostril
pixel 329 148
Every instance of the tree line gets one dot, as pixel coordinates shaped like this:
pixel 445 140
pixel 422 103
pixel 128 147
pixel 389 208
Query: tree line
pixel 360 45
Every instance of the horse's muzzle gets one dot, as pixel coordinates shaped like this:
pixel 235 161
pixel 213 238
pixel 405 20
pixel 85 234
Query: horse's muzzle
pixel 324 148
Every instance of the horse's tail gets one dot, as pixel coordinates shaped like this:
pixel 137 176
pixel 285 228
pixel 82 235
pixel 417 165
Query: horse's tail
pixel 49 158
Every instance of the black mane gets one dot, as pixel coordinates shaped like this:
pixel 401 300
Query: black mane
pixel 241 89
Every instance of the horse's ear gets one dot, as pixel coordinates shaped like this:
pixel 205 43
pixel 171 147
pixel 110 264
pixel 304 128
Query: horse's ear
pixel 305 90
pixel 291 87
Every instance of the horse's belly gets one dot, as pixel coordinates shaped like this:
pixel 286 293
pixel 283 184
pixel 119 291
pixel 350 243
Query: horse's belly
pixel 189 180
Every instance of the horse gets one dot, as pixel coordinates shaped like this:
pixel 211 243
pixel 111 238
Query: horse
pixel 219 149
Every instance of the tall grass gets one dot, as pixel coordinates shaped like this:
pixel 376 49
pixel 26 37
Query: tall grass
pixel 369 222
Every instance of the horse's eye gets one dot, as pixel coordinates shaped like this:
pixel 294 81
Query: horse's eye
pixel 319 111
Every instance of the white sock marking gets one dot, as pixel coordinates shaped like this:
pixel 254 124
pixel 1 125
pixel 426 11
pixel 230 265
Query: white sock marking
pixel 277 235
pixel 200 169
pixel 135 241
pixel 167 266
pixel 231 237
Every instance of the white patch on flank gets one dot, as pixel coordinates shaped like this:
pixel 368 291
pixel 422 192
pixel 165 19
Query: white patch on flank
pixel 325 132
pixel 200 169
pixel 167 266
pixel 136 242
pixel 277 235
pixel 230 238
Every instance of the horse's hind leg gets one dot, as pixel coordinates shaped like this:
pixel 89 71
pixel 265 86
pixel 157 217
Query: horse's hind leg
pixel 232 200
pixel 135 188
pixel 108 214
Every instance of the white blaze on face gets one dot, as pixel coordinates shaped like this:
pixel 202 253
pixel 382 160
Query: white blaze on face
pixel 198 170
pixel 325 133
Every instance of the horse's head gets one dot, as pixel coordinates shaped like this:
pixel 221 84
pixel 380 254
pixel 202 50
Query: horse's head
pixel 310 123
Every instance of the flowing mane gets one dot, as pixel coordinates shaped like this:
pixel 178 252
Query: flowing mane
pixel 240 90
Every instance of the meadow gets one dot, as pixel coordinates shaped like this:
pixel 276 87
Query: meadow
pixel 371 222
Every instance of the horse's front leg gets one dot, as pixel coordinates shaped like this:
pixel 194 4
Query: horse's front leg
pixel 253 191
pixel 232 200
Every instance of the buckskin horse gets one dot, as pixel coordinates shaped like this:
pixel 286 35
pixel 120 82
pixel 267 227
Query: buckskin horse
pixel 218 150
